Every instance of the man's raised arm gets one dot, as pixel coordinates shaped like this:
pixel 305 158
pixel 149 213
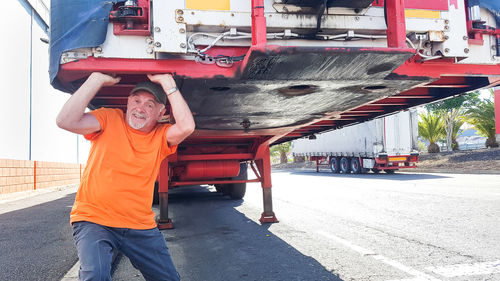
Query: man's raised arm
pixel 72 116
pixel 184 122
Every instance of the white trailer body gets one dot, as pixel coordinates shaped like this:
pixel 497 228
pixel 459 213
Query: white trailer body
pixel 387 143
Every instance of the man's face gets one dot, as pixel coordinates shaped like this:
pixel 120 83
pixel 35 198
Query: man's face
pixel 143 111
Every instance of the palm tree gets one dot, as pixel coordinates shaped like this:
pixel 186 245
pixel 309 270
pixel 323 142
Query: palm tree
pixel 457 124
pixel 482 117
pixel 281 150
pixel 431 128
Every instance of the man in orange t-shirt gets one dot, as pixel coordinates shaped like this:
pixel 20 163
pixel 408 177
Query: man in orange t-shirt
pixel 112 209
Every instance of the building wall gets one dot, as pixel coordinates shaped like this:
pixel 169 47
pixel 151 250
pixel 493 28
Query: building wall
pixel 30 105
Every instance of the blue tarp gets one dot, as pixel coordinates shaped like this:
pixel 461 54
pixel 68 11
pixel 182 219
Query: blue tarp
pixel 75 24
pixel 491 5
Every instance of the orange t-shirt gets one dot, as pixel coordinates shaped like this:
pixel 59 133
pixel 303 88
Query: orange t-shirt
pixel 118 182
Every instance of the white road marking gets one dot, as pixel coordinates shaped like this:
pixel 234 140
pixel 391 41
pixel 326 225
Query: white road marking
pixel 72 274
pixel 417 275
pixel 467 269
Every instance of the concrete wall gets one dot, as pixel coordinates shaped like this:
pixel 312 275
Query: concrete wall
pixel 29 105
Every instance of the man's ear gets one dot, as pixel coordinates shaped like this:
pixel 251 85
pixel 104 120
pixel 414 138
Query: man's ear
pixel 162 112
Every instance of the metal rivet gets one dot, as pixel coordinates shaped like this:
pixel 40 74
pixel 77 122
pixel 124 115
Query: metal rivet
pixel 356 18
pixel 182 30
pixel 493 47
pixel 180 12
pixel 466 50
pixel 158 44
pixel 466 38
pixel 98 49
pixel 232 14
pixel 447 50
pixel 446 27
pixel 192 13
pixel 149 50
pixel 157 29
pixel 149 40
pixel 181 19
pixel 446 21
pixel 446 37
pixel 183 45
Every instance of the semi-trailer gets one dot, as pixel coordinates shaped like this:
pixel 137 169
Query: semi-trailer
pixel 384 144
pixel 262 72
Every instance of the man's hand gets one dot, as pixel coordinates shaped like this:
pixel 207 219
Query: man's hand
pixel 103 79
pixel 165 80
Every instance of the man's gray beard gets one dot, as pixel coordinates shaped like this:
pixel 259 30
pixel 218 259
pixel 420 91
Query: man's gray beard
pixel 135 126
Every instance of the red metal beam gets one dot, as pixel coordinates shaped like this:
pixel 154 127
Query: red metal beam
pixel 179 183
pixel 237 156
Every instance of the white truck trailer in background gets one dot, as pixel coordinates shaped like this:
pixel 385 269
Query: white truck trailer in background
pixel 388 144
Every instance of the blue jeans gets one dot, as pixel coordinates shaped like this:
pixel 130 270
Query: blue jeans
pixel 146 250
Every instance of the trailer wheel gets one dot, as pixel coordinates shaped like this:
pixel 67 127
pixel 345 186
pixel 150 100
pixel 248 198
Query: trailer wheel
pixel 345 165
pixel 334 165
pixel 237 190
pixel 356 166
pixel 375 170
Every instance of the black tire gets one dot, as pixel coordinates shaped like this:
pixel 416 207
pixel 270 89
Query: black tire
pixel 345 165
pixel 156 196
pixel 356 166
pixel 334 165
pixel 375 170
pixel 389 171
pixel 237 190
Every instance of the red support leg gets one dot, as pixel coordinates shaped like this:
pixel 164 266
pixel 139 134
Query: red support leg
pixel 164 222
pixel 497 113
pixel 396 25
pixel 264 166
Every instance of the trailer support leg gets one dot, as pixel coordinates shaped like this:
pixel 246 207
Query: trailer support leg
pixel 497 115
pixel 264 166
pixel 164 222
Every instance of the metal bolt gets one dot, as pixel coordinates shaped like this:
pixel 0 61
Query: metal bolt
pixel 356 18
pixel 182 30
pixel 157 44
pixel 446 21
pixel 446 37
pixel 232 14
pixel 183 45
pixel 493 47
pixel 446 27
pixel 180 19
pixel 98 50
pixel 447 50
pixel 157 29
pixel 149 40
pixel 466 38
pixel 180 12
pixel 149 50
pixel 466 50
pixel 192 13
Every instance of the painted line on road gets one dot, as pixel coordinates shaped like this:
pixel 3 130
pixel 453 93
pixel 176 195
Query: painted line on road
pixel 417 275
pixel 72 274
pixel 467 269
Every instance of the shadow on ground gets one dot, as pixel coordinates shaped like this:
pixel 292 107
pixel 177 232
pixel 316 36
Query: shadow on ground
pixel 398 176
pixel 36 242
pixel 212 241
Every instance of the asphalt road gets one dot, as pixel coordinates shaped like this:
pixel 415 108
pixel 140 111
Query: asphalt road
pixel 332 227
